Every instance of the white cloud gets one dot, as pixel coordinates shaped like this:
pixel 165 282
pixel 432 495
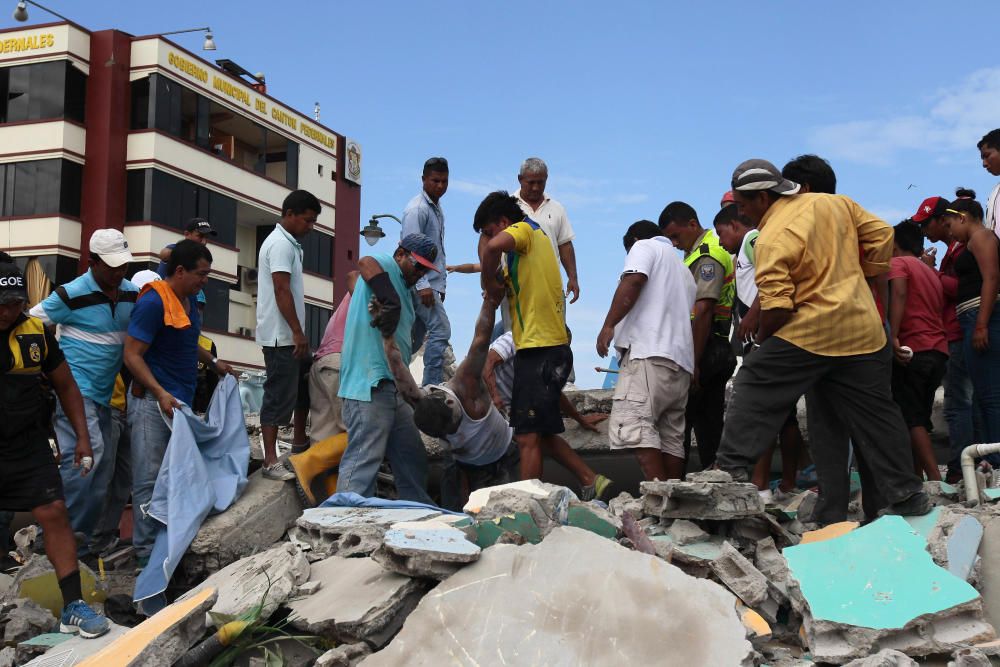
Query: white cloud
pixel 892 215
pixel 472 187
pixel 953 119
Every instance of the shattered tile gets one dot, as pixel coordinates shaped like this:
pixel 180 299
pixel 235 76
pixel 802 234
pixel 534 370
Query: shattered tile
pixel 430 549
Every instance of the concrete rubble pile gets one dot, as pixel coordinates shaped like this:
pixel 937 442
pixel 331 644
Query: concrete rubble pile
pixel 693 572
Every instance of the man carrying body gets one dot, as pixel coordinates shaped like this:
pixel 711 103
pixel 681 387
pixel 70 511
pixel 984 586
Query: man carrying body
pixel 544 360
pixel 93 313
pixel 162 353
pixel 819 329
pixel 281 321
pixel 423 215
pixel 650 322
pixel 461 412
pixel 550 216
pixel 714 360
pixel 29 477
pixel 379 421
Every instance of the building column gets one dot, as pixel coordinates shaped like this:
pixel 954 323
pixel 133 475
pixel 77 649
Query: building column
pixel 107 121
pixel 347 227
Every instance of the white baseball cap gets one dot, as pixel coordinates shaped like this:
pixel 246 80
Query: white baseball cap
pixel 110 245
pixel 145 276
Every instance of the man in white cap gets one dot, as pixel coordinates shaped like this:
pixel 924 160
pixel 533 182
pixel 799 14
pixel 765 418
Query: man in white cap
pixel 93 314
pixel 819 330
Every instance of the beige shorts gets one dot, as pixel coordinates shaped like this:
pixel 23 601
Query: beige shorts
pixel 325 418
pixel 648 406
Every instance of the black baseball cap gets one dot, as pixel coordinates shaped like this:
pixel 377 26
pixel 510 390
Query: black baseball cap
pixel 12 286
pixel 201 225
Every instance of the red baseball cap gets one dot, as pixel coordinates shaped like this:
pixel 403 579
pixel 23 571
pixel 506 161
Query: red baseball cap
pixel 931 207
pixel 728 198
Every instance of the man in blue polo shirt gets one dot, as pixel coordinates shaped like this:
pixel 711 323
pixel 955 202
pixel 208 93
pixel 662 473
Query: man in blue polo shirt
pixel 379 422
pixel 162 353
pixel 93 313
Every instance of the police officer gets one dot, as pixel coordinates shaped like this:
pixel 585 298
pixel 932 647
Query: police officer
pixel 714 359
pixel 29 475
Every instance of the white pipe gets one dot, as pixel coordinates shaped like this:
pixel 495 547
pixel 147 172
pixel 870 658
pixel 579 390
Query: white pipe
pixel 969 455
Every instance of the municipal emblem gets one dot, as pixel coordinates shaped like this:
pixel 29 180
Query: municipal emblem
pixel 35 353
pixel 707 271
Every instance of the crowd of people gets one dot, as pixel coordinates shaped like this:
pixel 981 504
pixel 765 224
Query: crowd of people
pixel 820 298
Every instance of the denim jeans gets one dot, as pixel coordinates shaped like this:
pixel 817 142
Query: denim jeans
pixel 960 410
pixel 85 494
pixel 433 323
pixel 984 371
pixel 150 435
pixel 121 481
pixel 380 428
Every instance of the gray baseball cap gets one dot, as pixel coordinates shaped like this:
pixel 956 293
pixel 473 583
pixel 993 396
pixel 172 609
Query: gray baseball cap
pixel 755 175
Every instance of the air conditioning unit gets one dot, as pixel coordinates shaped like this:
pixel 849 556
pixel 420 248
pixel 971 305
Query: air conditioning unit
pixel 248 279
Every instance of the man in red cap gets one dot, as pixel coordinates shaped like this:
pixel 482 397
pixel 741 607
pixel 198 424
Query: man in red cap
pixel 958 396
pixel 727 199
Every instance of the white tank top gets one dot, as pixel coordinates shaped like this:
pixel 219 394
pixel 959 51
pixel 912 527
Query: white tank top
pixel 746 288
pixel 479 442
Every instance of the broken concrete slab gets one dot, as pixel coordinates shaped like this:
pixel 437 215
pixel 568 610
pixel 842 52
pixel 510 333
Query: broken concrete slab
pixel 694 559
pixel 877 587
pixel 954 541
pixel 591 516
pixel 479 498
pixel 75 648
pixel 989 567
pixel 26 619
pixel 749 584
pixel 828 532
pixel 345 655
pixel 544 604
pixel 37 580
pixel 161 639
pixel 258 519
pixel 359 601
pixel 28 649
pixel 5 583
pixel 266 579
pixel 427 549
pixel 884 658
pixel 8 657
pixel 351 531
pixel 969 657
pixel 682 532
pixel 531 502
pixel 624 502
pixel 702 496
pixel 770 562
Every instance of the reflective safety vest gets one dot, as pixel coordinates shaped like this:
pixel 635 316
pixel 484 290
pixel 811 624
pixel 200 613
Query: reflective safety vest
pixel 20 387
pixel 724 305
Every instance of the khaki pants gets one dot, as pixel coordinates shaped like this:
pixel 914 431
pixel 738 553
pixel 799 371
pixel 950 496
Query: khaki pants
pixel 324 404
pixel 648 405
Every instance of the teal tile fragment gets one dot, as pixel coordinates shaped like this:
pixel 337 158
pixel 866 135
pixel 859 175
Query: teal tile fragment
pixel 963 546
pixel 879 576
pixel 923 525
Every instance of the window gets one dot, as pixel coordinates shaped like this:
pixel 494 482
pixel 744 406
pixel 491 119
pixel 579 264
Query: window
pixel 216 314
pixel 316 321
pixel 156 196
pixel 162 103
pixel 40 187
pixel 42 91
pixel 317 254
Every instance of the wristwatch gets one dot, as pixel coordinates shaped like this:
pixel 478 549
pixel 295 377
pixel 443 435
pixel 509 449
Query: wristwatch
pixel 215 361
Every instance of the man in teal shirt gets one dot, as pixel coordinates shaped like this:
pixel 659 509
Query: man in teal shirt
pixel 379 422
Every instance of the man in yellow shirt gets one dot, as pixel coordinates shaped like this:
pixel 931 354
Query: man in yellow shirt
pixel 819 330
pixel 543 361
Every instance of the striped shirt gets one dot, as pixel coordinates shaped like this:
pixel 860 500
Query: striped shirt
pixel 91 331
pixel 807 262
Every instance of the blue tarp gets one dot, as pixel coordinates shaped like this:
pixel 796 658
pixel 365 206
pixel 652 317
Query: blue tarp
pixel 204 471
pixel 357 500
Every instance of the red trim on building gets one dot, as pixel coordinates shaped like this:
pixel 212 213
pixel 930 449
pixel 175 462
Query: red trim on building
pixel 108 101
pixel 75 251
pixel 45 57
pixel 40 216
pixel 345 245
pixel 69 121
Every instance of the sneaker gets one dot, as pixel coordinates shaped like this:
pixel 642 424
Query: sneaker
pixel 916 505
pixel 79 617
pixel 278 472
pixel 596 490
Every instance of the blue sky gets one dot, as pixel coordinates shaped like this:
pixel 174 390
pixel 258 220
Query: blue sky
pixel 633 105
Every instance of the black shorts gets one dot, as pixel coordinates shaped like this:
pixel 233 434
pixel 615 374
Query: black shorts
pixel 286 387
pixel 540 373
pixel 914 386
pixel 29 476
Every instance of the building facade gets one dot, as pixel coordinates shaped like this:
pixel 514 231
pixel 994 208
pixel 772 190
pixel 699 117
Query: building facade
pixel 108 130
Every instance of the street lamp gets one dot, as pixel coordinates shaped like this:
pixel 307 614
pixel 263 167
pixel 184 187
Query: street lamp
pixel 208 45
pixel 372 232
pixel 21 11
